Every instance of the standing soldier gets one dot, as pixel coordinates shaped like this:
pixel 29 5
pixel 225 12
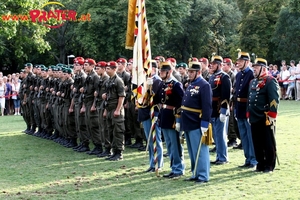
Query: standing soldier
pixel 36 99
pixel 114 111
pixel 221 87
pixel 232 124
pixel 205 71
pixel 76 103
pixel 26 101
pixel 69 118
pixel 43 101
pixel 170 96
pixel 144 116
pixel 100 69
pixel 89 107
pixel 262 112
pixel 131 121
pixel 195 117
pixel 31 78
pixel 243 78
pixel 125 76
pixel 181 67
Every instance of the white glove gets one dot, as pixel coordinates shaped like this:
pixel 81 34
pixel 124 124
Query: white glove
pixel 203 130
pixel 248 121
pixel 149 81
pixel 177 127
pixel 222 118
pixel 272 120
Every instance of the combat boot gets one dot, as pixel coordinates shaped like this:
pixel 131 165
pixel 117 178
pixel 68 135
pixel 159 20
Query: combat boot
pixel 111 156
pixel 78 146
pixel 72 143
pixel 55 135
pixel 118 156
pixel 32 131
pixel 27 129
pixel 85 147
pixel 106 153
pixel 97 150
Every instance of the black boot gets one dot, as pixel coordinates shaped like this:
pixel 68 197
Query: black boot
pixel 32 131
pixel 118 156
pixel 97 150
pixel 55 135
pixel 111 156
pixel 106 153
pixel 72 143
pixel 85 147
pixel 78 146
pixel 27 129
pixel 38 133
pixel 138 143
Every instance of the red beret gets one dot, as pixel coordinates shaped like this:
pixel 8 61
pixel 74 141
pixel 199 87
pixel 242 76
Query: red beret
pixel 121 60
pixel 79 60
pixel 172 60
pixel 203 60
pixel 160 58
pixel 90 61
pixel 101 64
pixel 227 60
pixel 112 64
pixel 130 60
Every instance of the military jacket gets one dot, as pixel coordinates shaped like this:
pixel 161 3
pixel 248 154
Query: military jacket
pixel 198 95
pixel 243 79
pixel 90 85
pixel 66 89
pixel 170 93
pixel 125 76
pixel 42 92
pixel 79 81
pixel 221 88
pixel 263 98
pixel 101 90
pixel 114 88
pixel 144 112
pixel 28 81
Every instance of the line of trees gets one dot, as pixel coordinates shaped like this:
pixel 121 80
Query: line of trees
pixel 178 28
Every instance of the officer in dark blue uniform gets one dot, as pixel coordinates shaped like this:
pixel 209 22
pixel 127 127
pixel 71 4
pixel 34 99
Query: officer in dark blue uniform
pixel 195 117
pixel 262 108
pixel 221 88
pixel 243 78
pixel 170 96
pixel 145 118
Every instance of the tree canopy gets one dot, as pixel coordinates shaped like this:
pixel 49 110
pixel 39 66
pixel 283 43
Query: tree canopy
pixel 178 28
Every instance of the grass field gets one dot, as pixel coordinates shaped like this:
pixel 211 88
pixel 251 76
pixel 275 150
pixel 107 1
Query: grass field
pixel 34 168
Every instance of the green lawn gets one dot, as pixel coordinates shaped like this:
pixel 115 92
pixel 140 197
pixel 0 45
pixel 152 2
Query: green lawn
pixel 34 168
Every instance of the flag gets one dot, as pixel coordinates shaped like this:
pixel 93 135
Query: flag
pixel 141 67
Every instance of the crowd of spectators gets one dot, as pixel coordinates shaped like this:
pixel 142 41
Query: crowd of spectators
pixel 9 100
pixel 288 78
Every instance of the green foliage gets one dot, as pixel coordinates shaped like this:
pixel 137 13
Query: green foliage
pixel 258 26
pixel 287 32
pixel 34 168
pixel 20 39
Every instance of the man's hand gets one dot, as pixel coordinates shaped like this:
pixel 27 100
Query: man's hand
pixel 222 118
pixel 272 120
pixel 177 126
pixel 203 130
pixel 117 113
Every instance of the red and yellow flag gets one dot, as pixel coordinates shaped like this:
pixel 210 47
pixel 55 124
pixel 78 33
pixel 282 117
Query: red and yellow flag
pixel 138 39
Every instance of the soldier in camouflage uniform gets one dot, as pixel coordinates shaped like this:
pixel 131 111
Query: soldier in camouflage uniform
pixel 76 104
pixel 89 107
pixel 100 69
pixel 114 111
